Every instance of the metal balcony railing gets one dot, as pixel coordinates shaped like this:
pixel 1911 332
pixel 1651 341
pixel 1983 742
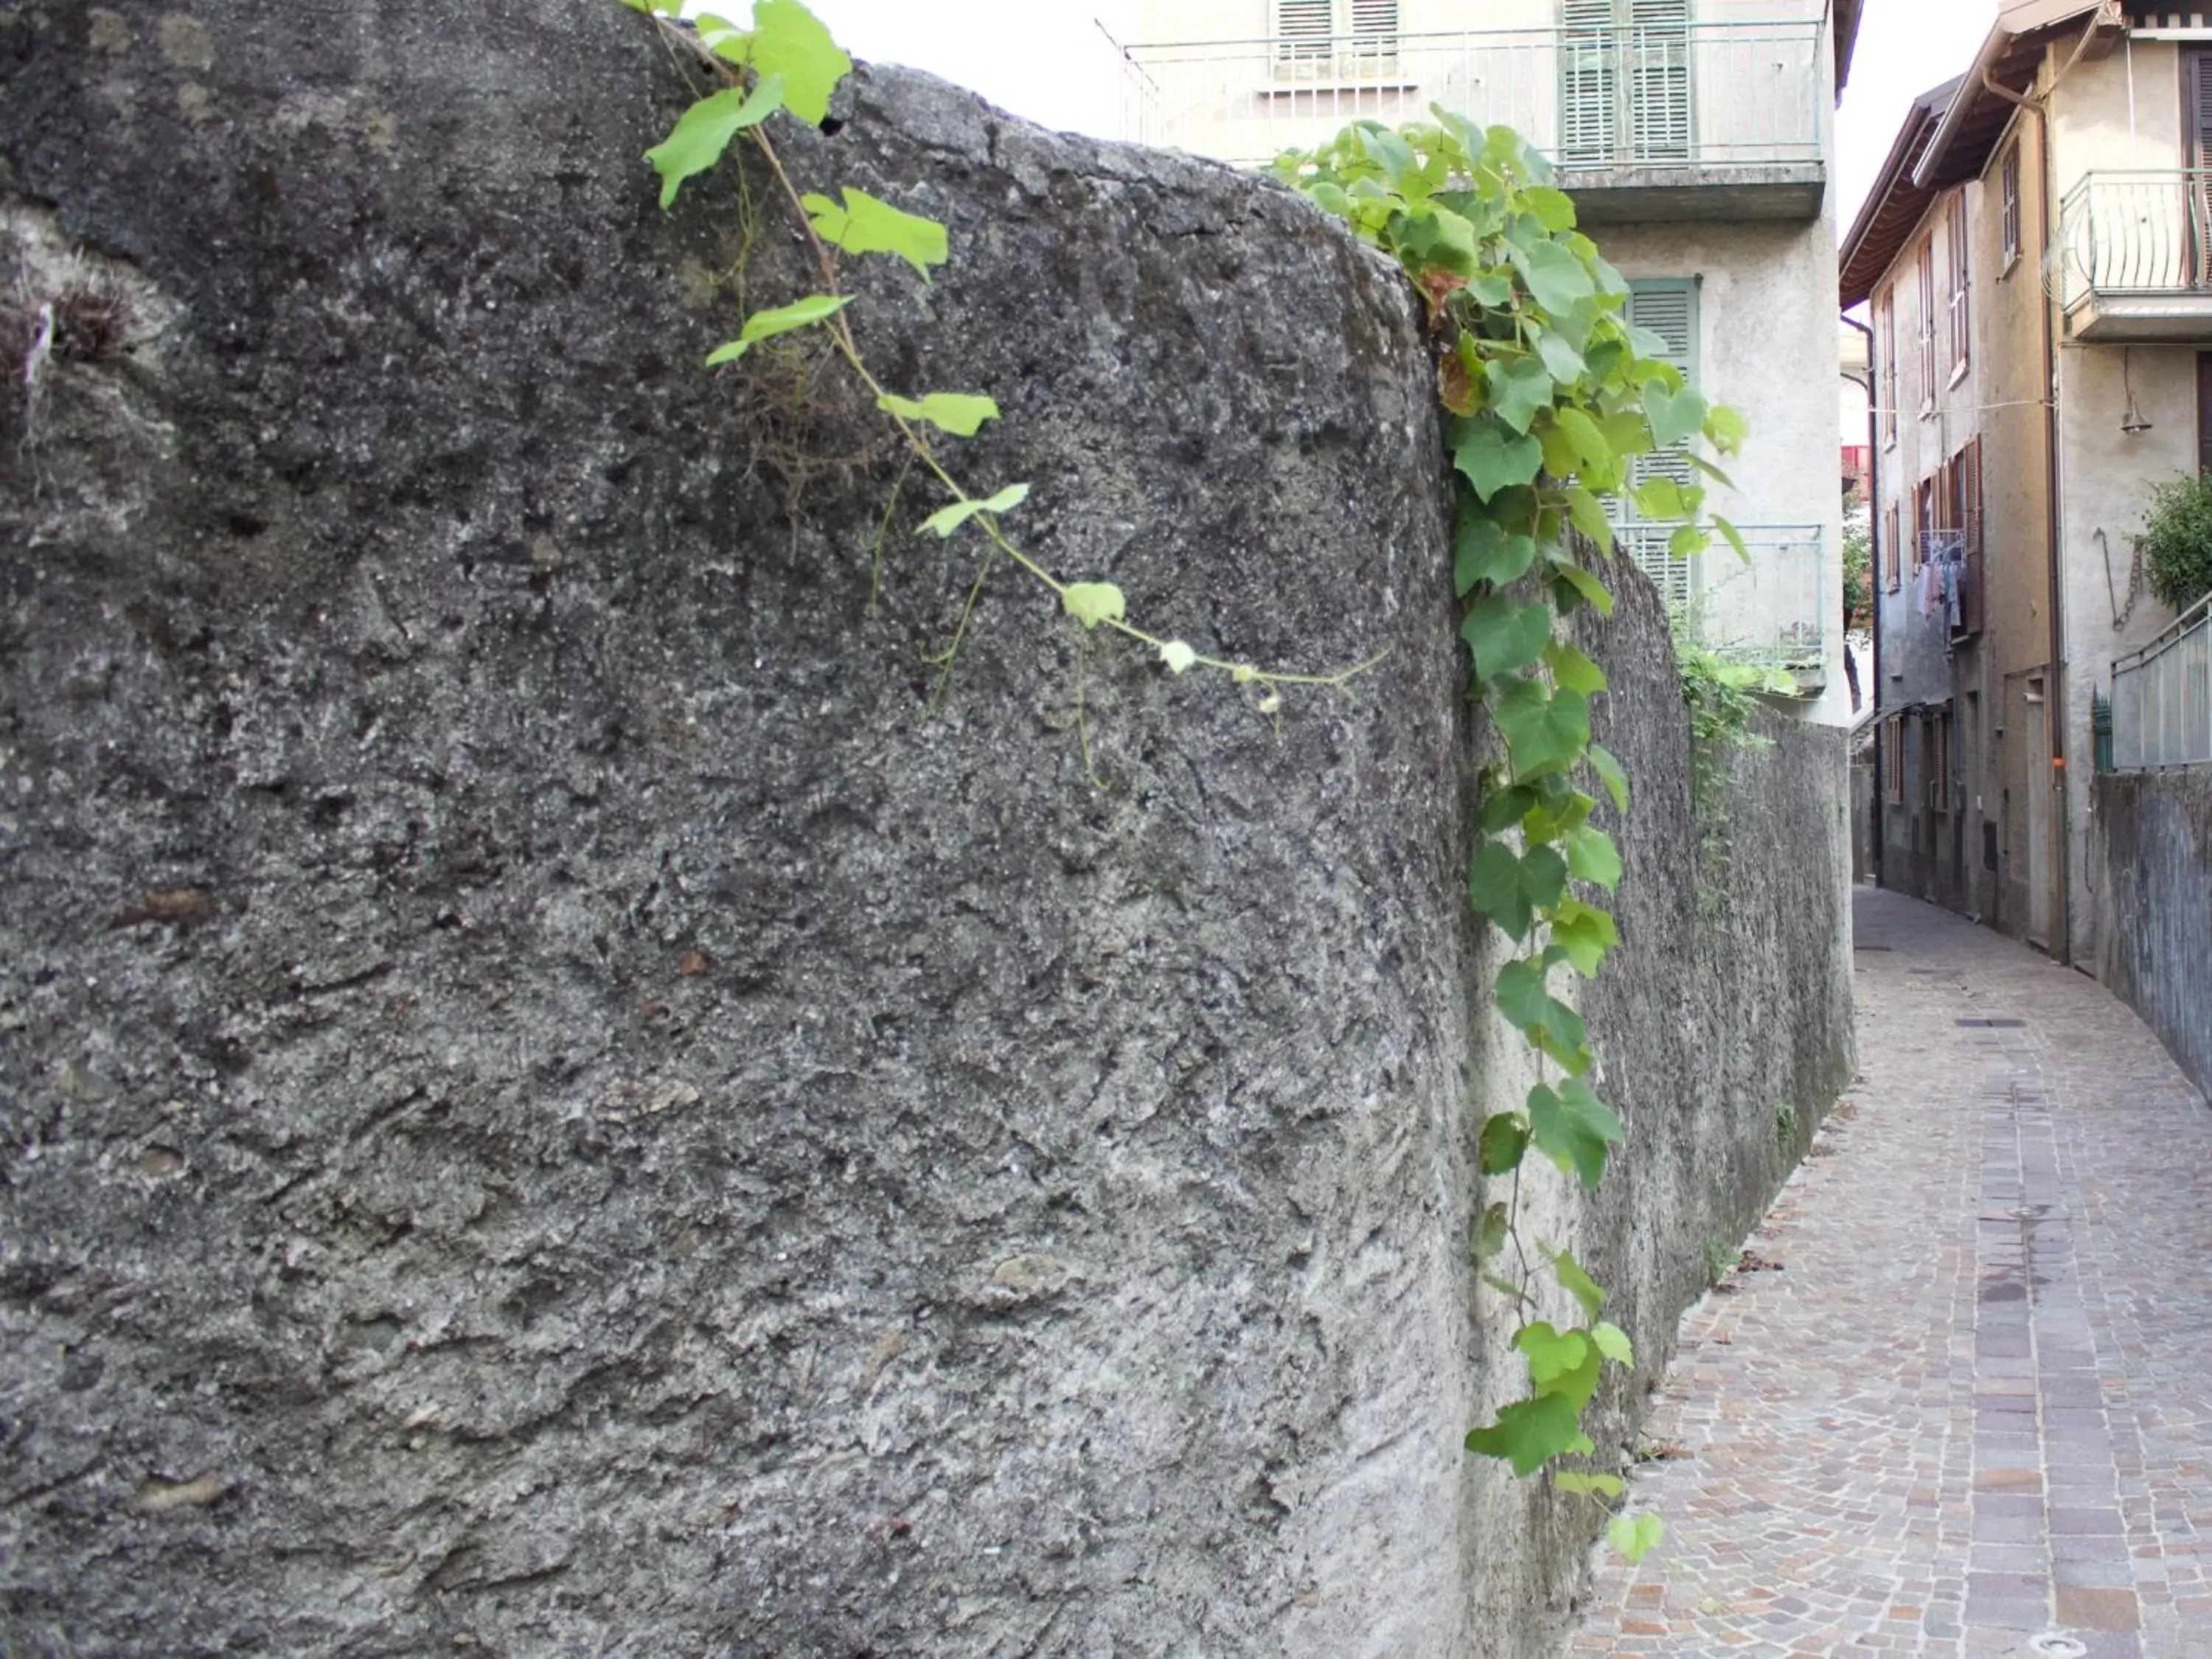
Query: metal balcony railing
pixel 1771 609
pixel 2162 696
pixel 1670 95
pixel 2134 234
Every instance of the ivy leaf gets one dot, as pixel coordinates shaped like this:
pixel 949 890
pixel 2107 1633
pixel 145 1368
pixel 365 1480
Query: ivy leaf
pixel 1504 635
pixel 1564 363
pixel 1586 584
pixel 1529 1433
pixel 1548 1022
pixel 1545 729
pixel 1509 887
pixel 1733 536
pixel 702 132
pixel 1675 416
pixel 1634 1537
pixel 946 519
pixel 1491 460
pixel 1504 1138
pixel 1572 669
pixel 1092 603
pixel 782 319
pixel 1577 1284
pixel 1590 1486
pixel 1557 279
pixel 1519 386
pixel 866 225
pixel 1494 289
pixel 1726 428
pixel 1613 1342
pixel 959 413
pixel 1572 1128
pixel 1583 933
pixel 1612 774
pixel 1594 858
pixel 1563 1363
pixel 1178 656
pixel 1483 552
pixel 1502 808
pixel 1587 515
pixel 1555 208
pixel 1687 542
pixel 1589 438
pixel 1661 498
pixel 790 41
pixel 1491 1233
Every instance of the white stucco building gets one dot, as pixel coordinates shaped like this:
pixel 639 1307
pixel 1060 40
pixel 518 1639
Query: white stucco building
pixel 1695 137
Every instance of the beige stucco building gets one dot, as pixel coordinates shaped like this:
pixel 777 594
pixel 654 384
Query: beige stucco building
pixel 2036 264
pixel 1695 137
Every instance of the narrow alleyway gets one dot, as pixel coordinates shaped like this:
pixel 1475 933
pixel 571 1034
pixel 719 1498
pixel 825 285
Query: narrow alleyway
pixel 1968 1410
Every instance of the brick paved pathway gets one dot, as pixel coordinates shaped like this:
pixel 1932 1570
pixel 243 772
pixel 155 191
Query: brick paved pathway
pixel 1971 1415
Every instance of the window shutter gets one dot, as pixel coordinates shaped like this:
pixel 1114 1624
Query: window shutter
pixel 1658 58
pixel 1374 36
pixel 1668 308
pixel 1588 79
pixel 1303 28
pixel 2199 99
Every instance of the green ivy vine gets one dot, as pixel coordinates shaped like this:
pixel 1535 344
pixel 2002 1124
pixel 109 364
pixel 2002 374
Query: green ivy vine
pixel 1551 396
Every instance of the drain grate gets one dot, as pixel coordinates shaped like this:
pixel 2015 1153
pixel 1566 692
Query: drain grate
pixel 1993 1024
pixel 2053 1645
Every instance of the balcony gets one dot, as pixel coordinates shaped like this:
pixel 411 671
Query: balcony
pixel 1719 120
pixel 1770 611
pixel 2133 258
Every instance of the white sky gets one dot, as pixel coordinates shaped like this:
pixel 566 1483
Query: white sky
pixel 1048 60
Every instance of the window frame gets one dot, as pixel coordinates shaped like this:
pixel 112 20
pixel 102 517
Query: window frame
pixel 1891 559
pixel 1888 395
pixel 2008 191
pixel 1957 274
pixel 1925 337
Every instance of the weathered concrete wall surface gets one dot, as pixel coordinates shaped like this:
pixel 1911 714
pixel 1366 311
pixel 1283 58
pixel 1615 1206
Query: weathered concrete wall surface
pixel 2153 886
pixel 545 1106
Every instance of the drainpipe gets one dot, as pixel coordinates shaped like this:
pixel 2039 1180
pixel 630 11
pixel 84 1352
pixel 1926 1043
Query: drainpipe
pixel 1873 590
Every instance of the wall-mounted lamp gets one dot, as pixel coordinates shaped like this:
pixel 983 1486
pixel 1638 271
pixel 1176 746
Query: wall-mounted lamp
pixel 2131 421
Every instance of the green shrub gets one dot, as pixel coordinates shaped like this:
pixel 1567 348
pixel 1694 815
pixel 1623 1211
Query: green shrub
pixel 2177 541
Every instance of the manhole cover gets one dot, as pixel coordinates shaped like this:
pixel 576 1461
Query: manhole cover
pixel 2051 1645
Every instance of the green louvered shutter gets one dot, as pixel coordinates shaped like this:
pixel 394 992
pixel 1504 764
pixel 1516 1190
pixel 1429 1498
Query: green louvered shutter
pixel 1658 62
pixel 1590 62
pixel 1667 306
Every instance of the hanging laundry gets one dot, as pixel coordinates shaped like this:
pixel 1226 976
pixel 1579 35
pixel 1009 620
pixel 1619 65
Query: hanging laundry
pixel 1924 589
pixel 1955 576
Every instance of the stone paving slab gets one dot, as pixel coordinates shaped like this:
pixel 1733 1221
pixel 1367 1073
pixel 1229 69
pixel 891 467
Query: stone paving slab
pixel 1970 1416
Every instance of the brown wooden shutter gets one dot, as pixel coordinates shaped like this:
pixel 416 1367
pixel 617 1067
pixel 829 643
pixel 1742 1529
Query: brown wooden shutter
pixel 2204 411
pixel 2197 98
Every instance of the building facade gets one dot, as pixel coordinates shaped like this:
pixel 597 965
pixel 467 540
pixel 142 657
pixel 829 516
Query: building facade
pixel 1695 137
pixel 2037 275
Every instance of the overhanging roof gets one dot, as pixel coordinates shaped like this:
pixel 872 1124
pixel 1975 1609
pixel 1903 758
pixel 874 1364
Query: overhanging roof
pixel 1894 206
pixel 1951 130
pixel 1848 13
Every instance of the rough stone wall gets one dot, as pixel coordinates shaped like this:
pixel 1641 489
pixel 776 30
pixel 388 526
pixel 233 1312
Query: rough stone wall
pixel 546 1106
pixel 2153 886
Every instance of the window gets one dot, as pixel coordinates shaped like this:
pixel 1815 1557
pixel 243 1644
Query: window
pixel 1892 760
pixel 1667 307
pixel 2204 411
pixel 1886 311
pixel 1623 81
pixel 1890 574
pixel 1324 39
pixel 1935 750
pixel 1927 323
pixel 2008 177
pixel 1955 245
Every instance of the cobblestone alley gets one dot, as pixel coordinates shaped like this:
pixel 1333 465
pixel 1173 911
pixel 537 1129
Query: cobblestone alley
pixel 1969 1414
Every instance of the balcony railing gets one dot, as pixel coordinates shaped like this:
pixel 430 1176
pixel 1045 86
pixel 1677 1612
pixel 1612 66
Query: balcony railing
pixel 2162 696
pixel 2133 256
pixel 1771 610
pixel 1666 97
